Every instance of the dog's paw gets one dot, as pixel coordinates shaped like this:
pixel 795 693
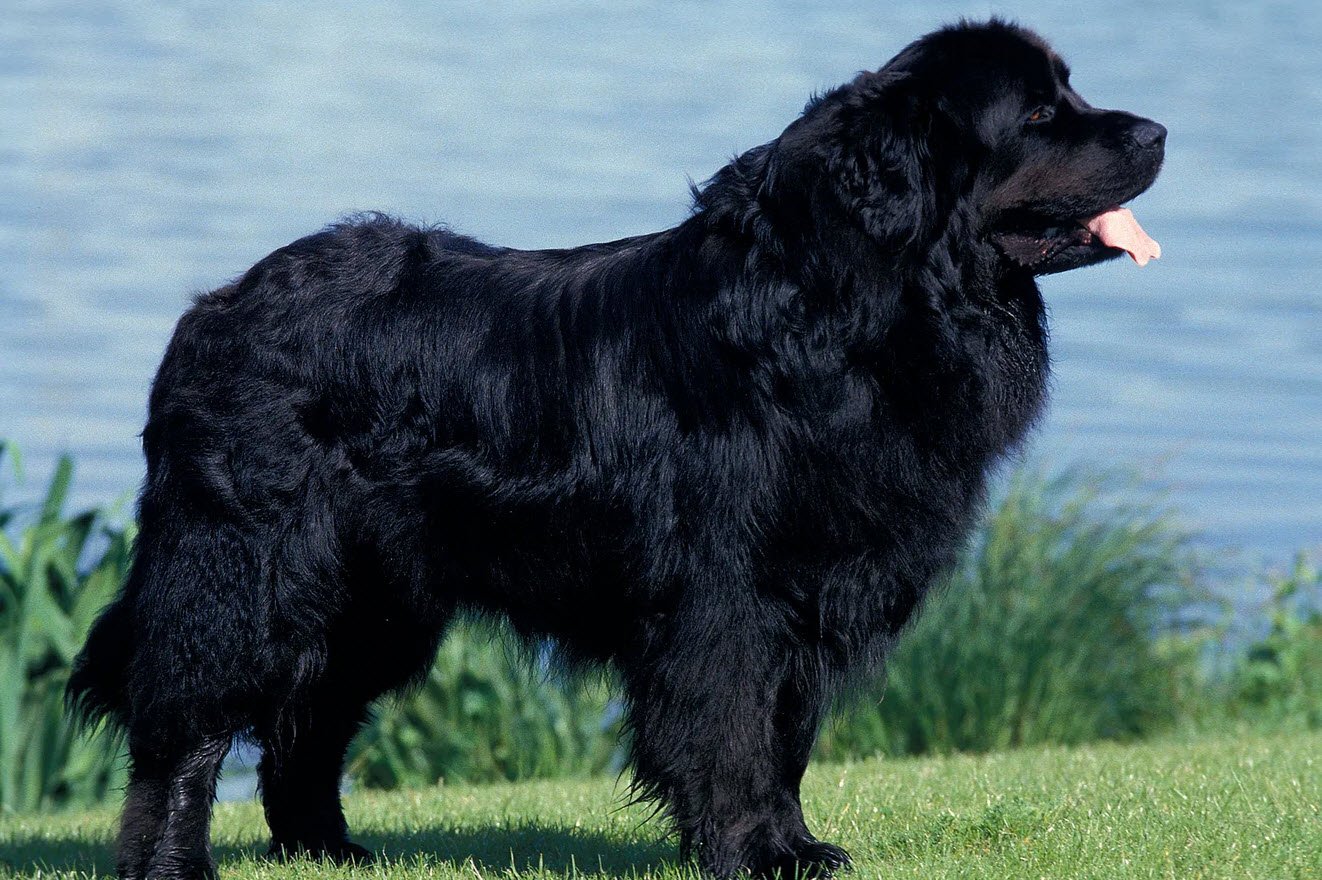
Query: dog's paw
pixel 350 853
pixel 820 857
pixel 809 860
pixel 182 866
pixel 135 869
pixel 342 852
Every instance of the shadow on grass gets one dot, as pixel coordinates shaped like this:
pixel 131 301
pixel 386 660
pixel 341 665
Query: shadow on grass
pixel 554 849
pixel 533 846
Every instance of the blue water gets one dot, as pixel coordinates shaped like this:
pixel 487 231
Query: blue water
pixel 147 153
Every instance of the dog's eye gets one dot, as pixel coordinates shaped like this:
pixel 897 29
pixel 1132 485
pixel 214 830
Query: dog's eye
pixel 1040 114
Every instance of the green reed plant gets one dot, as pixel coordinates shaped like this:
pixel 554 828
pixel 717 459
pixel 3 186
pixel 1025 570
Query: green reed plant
pixel 56 572
pixel 1277 683
pixel 484 714
pixel 1052 629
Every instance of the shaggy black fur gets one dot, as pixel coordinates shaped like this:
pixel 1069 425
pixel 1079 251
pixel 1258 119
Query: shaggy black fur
pixel 727 459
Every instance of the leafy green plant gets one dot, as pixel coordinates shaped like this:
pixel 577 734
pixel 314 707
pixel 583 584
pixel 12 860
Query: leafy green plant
pixel 1277 682
pixel 482 715
pixel 1049 630
pixel 50 593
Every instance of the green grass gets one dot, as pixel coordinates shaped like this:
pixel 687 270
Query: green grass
pixel 1230 807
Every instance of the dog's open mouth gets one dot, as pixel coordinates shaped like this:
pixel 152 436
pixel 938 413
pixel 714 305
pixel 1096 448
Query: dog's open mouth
pixel 1054 246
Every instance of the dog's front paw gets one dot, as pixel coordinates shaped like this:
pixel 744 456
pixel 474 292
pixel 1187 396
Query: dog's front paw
pixel 817 858
pixel 341 852
pixel 808 859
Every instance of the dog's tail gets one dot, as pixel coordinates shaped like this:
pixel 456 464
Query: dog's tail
pixel 98 686
pixel 183 650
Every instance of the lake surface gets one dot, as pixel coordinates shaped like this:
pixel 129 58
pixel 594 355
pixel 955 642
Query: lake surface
pixel 147 153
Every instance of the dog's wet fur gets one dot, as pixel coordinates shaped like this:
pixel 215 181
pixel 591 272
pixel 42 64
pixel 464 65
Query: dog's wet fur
pixel 727 459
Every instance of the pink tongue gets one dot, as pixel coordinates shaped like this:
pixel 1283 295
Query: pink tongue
pixel 1117 228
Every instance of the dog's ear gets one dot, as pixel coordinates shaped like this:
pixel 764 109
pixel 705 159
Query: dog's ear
pixel 880 156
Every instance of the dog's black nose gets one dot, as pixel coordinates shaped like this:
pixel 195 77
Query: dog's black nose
pixel 1148 135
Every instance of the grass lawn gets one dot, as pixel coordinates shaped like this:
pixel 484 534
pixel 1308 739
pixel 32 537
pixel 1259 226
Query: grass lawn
pixel 1232 808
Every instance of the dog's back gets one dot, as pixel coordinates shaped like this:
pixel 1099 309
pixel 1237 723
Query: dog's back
pixel 388 421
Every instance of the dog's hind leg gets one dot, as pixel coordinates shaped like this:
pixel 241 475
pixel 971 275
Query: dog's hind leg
pixel 198 649
pixel 369 651
pixel 300 780
pixel 143 820
pixel 165 831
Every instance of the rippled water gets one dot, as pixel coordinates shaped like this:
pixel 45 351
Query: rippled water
pixel 149 153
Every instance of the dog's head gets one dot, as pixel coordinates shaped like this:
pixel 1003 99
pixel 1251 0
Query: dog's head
pixel 973 133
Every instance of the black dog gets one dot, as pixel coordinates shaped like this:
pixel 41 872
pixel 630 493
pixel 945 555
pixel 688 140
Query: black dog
pixel 727 459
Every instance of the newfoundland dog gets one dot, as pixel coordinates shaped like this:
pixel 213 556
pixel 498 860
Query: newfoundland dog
pixel 726 460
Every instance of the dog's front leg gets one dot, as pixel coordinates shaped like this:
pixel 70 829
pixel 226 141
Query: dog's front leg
pixel 722 723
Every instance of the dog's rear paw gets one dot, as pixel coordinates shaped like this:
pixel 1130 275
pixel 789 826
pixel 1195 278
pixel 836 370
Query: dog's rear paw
pixel 181 866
